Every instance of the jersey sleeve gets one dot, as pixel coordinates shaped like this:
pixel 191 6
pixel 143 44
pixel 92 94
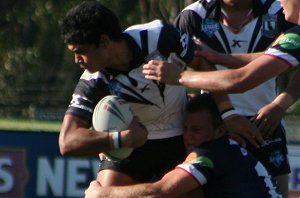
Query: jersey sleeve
pixel 287 47
pixel 189 22
pixel 199 165
pixel 89 90
pixel 172 41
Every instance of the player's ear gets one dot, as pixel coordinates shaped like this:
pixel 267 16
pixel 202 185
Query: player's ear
pixel 104 40
pixel 220 130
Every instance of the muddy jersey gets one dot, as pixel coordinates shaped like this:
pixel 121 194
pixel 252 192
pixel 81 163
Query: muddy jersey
pixel 287 47
pixel 202 20
pixel 160 107
pixel 224 169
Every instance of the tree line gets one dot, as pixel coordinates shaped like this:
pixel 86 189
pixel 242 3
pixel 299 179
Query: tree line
pixel 37 71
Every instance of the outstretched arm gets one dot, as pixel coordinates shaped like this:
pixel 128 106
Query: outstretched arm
pixel 231 61
pixel 174 184
pixel 230 80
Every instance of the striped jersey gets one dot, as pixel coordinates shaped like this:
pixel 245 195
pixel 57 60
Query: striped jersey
pixel 202 20
pixel 160 107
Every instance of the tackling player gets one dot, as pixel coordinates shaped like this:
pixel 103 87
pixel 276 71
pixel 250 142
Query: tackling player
pixel 215 166
pixel 113 62
pixel 246 26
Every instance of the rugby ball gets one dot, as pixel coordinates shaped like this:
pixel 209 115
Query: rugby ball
pixel 111 114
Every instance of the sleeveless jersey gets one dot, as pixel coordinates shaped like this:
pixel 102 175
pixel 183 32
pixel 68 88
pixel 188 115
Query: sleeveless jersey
pixel 202 20
pixel 160 107
pixel 224 169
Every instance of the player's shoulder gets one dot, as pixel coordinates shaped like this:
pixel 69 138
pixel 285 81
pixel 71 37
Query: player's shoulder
pixel 200 8
pixel 151 29
pixel 271 7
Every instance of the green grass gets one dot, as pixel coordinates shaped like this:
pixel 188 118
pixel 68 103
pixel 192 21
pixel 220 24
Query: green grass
pixel 29 125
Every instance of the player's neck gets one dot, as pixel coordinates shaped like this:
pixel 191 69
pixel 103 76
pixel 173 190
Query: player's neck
pixel 121 56
pixel 231 6
pixel 236 15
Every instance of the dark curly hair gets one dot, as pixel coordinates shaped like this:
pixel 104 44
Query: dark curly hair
pixel 86 22
pixel 205 102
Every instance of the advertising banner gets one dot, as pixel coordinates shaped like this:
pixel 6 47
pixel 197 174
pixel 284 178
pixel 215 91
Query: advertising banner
pixel 32 167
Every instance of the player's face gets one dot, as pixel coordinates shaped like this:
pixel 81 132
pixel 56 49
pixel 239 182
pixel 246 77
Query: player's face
pixel 234 3
pixel 198 129
pixel 291 10
pixel 88 56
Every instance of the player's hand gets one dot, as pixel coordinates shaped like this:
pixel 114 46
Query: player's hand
pixel 206 52
pixel 135 135
pixel 268 118
pixel 94 190
pixel 163 71
pixel 240 128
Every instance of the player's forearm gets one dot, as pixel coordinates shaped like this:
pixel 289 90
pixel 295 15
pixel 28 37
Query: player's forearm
pixel 141 191
pixel 291 94
pixel 207 81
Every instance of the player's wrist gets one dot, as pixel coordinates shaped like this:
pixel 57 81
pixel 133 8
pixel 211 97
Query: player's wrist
pixel 226 113
pixel 115 140
pixel 284 101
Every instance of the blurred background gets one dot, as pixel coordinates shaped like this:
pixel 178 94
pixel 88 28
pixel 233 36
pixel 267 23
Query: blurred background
pixel 38 74
pixel 37 78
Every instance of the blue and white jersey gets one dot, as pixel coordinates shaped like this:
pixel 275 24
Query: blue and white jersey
pixel 203 20
pixel 224 169
pixel 287 47
pixel 160 107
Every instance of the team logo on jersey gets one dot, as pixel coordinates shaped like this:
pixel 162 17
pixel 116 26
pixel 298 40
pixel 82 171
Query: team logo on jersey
pixel 277 40
pixel 196 160
pixel 269 26
pixel 290 41
pixel 210 26
pixel 276 158
pixel 238 43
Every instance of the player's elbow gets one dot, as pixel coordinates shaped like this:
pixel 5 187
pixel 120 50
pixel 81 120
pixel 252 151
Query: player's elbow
pixel 65 147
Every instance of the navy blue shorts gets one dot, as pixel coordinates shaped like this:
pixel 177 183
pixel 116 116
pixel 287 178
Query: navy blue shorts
pixel 273 154
pixel 151 161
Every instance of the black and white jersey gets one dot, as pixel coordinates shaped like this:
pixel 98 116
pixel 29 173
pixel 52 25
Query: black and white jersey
pixel 287 47
pixel 224 169
pixel 160 107
pixel 202 20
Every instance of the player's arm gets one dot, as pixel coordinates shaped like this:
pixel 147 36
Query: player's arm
pixel 174 184
pixel 269 116
pixel 232 61
pixel 232 80
pixel 76 137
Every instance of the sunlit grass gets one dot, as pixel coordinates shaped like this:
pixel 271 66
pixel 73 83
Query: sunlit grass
pixel 29 125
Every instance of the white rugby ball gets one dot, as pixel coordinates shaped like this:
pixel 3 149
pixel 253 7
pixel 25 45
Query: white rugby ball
pixel 113 113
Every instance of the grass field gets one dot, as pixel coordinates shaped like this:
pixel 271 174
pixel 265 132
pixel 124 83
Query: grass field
pixel 29 125
pixel 292 126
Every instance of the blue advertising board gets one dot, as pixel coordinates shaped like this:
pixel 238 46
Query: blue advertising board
pixel 32 167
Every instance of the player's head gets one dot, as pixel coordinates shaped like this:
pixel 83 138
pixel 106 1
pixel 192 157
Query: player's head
pixel 86 22
pixel 202 121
